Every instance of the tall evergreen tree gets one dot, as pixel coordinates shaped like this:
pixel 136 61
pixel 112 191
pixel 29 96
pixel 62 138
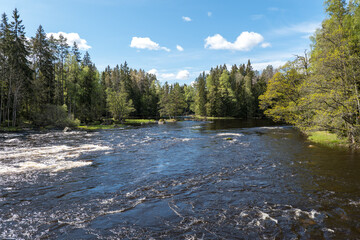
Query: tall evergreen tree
pixel 200 99
pixel 20 72
pixel 44 77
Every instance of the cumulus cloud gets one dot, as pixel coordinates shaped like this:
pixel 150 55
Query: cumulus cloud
pixel 183 75
pixel 71 38
pixel 146 43
pixel 259 66
pixel 179 48
pixel 244 42
pixel 153 71
pixel 180 75
pixel 265 45
pixel 167 76
pixel 186 19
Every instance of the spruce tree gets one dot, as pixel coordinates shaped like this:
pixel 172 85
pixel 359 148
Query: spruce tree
pixel 20 72
pixel 44 78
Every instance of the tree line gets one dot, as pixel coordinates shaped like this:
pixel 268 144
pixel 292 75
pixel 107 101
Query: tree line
pixel 320 90
pixel 44 81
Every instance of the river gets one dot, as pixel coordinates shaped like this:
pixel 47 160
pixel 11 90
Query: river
pixel 225 179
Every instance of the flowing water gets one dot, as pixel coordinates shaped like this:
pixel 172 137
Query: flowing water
pixel 188 180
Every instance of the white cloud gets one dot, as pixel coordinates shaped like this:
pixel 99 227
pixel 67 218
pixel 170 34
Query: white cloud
pixel 179 48
pixel 209 14
pixel 259 66
pixel 167 76
pixel 265 45
pixel 153 71
pixel 146 43
pixel 186 19
pixel 183 75
pixel 180 75
pixel 244 42
pixel 71 38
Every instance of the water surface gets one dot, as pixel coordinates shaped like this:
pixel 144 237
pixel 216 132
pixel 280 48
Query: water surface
pixel 228 179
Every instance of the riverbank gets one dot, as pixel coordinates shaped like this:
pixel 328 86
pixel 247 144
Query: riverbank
pixel 127 122
pixel 91 126
pixel 328 139
pixel 196 117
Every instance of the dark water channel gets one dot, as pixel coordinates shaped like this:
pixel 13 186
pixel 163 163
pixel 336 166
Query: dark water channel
pixel 188 180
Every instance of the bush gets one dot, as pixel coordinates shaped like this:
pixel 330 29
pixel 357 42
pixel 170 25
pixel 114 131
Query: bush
pixel 54 115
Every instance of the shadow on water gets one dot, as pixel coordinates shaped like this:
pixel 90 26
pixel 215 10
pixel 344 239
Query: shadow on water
pixel 221 179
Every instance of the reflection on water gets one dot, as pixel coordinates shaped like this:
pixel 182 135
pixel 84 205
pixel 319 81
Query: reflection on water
pixel 223 179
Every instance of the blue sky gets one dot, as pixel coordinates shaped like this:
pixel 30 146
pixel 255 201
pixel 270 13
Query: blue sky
pixel 178 39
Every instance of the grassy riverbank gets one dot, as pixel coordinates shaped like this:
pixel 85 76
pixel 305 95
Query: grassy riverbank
pixel 212 118
pixel 90 126
pixel 117 125
pixel 140 121
pixel 327 139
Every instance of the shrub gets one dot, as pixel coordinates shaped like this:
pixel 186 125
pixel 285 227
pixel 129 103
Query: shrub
pixel 54 115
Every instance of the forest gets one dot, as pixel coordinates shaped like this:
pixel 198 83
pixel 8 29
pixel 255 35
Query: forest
pixel 320 90
pixel 44 81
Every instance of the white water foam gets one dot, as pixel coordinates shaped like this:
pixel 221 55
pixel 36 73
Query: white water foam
pixel 59 152
pixel 34 166
pixel 229 134
pixel 14 140
pixel 52 159
pixel 355 203
pixel 265 216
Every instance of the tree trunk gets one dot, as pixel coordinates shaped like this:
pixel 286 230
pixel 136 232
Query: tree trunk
pixel 1 100
pixel 8 102
pixel 14 110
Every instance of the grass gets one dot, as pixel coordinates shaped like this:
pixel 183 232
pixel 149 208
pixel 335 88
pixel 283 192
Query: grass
pixel 139 121
pixel 327 139
pixel 213 118
pixel 117 125
pixel 170 120
pixel 10 129
pixel 99 127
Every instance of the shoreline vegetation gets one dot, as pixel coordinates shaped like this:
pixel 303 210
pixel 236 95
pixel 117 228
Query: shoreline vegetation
pixel 323 138
pixel 46 83
pixel 327 139
pixel 57 85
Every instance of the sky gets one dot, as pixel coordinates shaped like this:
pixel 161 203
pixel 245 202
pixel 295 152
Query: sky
pixel 177 39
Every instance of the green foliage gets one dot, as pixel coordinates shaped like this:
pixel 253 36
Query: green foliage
pixel 57 76
pixel 327 138
pixel 190 95
pixel 140 121
pixel 98 127
pixel 200 95
pixel 172 101
pixel 283 94
pixel 323 93
pixel 119 105
pixel 53 115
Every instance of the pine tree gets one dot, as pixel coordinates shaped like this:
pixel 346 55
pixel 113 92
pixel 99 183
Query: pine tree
pixel 75 52
pixel 200 99
pixel 44 78
pixel 4 64
pixel 20 72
